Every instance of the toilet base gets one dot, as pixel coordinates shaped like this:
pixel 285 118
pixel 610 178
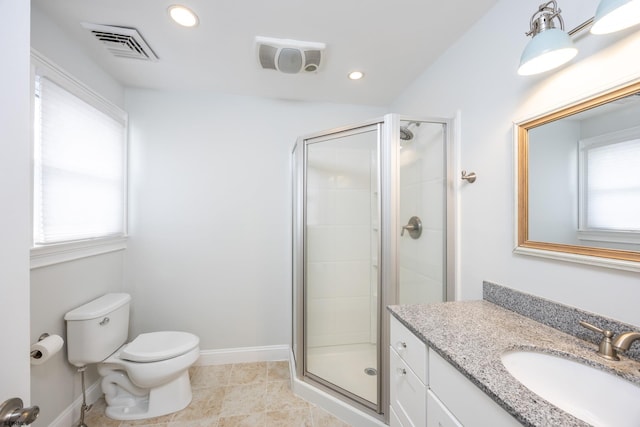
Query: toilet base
pixel 165 399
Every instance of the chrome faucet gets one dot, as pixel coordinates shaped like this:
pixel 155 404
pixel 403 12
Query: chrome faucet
pixel 609 346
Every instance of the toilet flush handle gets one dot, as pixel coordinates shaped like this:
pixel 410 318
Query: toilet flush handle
pixel 105 321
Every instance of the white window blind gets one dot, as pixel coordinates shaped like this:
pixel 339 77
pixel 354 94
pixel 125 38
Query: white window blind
pixel 79 168
pixel 613 186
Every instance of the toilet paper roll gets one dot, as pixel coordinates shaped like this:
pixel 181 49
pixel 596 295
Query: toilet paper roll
pixel 44 349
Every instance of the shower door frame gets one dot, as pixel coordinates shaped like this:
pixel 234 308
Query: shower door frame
pixel 388 272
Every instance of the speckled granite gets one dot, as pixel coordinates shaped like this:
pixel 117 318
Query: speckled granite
pixel 558 316
pixel 471 335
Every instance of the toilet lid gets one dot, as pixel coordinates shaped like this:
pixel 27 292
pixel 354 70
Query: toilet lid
pixel 156 346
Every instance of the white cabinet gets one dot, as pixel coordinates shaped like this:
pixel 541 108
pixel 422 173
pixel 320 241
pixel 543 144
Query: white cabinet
pixel 428 391
pixel 466 402
pixel 408 377
pixel 437 414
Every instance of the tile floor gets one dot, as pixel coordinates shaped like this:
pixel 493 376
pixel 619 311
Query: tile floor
pixel 237 395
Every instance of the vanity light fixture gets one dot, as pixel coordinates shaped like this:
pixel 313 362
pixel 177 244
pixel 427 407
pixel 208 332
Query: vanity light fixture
pixel 551 47
pixel 356 75
pixel 183 15
pixel 615 15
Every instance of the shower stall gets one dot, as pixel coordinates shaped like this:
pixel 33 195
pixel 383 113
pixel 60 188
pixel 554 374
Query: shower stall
pixel 372 226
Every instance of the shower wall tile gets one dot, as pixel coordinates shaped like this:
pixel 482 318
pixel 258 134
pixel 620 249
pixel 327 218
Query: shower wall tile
pixel 431 196
pixel 331 168
pixel 336 321
pixel 338 279
pixel 424 255
pixel 338 243
pixel 416 288
pixel 338 207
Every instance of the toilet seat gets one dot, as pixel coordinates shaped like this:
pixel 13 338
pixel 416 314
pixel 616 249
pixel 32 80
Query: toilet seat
pixel 157 346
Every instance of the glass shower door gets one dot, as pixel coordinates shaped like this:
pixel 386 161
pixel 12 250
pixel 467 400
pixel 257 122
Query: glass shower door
pixel 342 211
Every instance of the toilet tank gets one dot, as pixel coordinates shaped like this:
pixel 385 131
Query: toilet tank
pixel 97 329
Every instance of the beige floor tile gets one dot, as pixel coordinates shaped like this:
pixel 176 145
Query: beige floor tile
pixel 249 420
pixel 238 395
pixel 206 404
pixel 155 421
pixel 210 376
pixel 243 399
pixel 297 417
pixel 209 422
pixel 277 371
pixel 248 373
pixel 280 397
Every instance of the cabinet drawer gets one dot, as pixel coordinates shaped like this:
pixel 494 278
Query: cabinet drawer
pixel 438 415
pixel 409 348
pixel 408 393
pixel 471 406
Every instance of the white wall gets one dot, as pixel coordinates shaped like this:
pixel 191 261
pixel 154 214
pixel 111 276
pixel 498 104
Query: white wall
pixel 210 217
pixel 57 289
pixel 477 77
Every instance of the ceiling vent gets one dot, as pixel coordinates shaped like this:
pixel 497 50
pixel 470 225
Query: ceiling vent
pixel 122 42
pixel 289 56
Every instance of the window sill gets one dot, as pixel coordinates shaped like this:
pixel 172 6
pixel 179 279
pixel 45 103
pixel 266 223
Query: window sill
pixel 610 236
pixel 42 256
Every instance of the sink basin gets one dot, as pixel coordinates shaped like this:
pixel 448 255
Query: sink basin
pixel 594 396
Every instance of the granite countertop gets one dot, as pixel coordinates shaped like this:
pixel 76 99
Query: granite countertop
pixel 471 335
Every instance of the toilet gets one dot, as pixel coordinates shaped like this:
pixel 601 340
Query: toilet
pixel 147 377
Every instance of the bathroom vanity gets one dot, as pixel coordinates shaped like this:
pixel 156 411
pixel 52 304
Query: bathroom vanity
pixel 446 366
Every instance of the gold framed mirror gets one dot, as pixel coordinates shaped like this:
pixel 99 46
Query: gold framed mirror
pixel 578 181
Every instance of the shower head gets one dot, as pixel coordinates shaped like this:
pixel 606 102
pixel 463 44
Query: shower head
pixel 405 134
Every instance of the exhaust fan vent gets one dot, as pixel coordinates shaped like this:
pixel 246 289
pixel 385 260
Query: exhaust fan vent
pixel 289 56
pixel 122 42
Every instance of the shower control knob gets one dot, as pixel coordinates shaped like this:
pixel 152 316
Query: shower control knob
pixel 414 227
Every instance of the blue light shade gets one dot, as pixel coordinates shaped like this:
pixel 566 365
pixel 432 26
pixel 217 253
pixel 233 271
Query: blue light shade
pixel 547 50
pixel 615 15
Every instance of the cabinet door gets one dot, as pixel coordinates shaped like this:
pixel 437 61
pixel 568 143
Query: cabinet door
pixel 394 421
pixel 438 415
pixel 408 393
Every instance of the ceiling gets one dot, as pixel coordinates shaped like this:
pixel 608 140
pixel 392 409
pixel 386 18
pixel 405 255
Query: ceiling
pixel 392 42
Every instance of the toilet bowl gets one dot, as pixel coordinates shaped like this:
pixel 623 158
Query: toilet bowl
pixel 147 377
pixel 156 380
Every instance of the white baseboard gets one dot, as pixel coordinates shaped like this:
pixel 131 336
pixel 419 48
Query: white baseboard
pixel 71 415
pixel 243 355
pixel 333 405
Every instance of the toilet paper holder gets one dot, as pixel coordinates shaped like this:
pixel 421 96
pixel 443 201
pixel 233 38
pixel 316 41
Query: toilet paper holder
pixel 36 354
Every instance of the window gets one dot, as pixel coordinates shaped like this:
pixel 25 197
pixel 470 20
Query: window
pixel 79 164
pixel 610 186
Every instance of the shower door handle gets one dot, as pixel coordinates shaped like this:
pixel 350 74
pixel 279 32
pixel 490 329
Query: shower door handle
pixel 414 227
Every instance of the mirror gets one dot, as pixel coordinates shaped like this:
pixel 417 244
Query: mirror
pixel 578 181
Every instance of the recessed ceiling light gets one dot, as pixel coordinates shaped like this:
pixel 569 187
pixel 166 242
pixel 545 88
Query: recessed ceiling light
pixel 356 75
pixel 183 15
